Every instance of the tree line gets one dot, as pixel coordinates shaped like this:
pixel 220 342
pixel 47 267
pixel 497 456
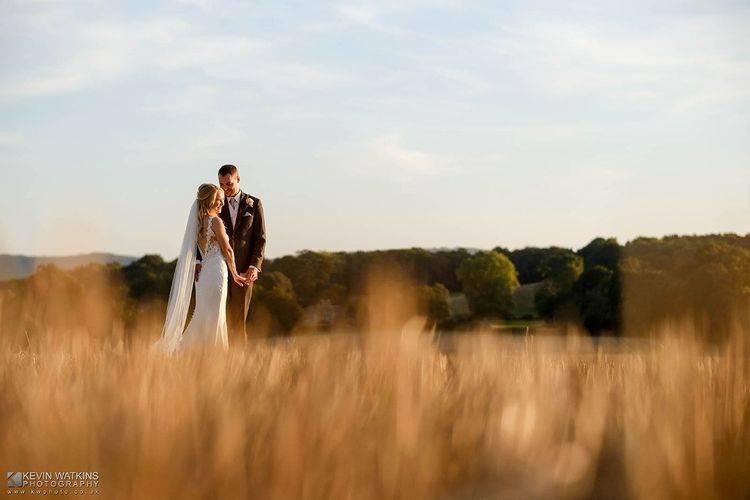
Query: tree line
pixel 606 287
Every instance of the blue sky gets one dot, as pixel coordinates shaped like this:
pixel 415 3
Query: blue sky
pixel 373 124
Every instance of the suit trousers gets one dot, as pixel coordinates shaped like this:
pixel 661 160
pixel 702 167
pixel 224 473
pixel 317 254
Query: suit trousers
pixel 238 305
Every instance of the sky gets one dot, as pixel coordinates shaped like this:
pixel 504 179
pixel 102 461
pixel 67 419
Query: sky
pixel 370 125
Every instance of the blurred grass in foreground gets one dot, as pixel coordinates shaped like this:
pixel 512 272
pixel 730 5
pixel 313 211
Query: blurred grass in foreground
pixel 392 414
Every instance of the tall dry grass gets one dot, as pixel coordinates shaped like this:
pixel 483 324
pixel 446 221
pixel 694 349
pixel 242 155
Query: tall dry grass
pixel 391 412
pixel 385 415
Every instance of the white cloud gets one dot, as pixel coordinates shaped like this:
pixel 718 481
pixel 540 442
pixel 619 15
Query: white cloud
pixel 391 156
pixel 189 100
pixel 685 62
pixel 214 139
pixel 467 82
pixel 278 75
pixel 202 4
pixel 360 13
pixel 10 138
pixel 76 55
pixel 372 13
pixel 390 151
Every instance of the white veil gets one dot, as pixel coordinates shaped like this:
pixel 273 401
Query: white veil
pixel 182 286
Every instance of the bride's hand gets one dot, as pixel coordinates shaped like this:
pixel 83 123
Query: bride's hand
pixel 240 280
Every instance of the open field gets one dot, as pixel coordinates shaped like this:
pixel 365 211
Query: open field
pixel 385 415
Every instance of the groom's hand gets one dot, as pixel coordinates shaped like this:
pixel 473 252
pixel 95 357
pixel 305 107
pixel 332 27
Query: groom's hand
pixel 252 274
pixel 197 271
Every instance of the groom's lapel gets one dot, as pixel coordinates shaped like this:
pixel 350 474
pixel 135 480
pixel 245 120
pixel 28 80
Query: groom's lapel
pixel 246 202
pixel 242 206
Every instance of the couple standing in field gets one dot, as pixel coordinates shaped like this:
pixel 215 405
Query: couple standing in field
pixel 222 254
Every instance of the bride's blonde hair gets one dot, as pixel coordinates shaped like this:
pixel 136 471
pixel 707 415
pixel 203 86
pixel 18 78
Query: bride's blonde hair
pixel 207 195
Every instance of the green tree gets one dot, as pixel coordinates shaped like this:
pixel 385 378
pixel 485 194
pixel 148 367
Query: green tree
pixel 443 265
pixel 312 273
pixel 598 290
pixel 706 278
pixel 596 295
pixel 560 269
pixel 533 263
pixel 433 302
pixel 489 280
pixel 527 261
pixel 149 277
pixel 601 252
pixel 276 293
pixel 508 253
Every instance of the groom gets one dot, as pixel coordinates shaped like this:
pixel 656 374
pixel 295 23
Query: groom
pixel 243 219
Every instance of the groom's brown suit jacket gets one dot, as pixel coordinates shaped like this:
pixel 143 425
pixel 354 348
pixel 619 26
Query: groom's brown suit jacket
pixel 247 238
pixel 248 235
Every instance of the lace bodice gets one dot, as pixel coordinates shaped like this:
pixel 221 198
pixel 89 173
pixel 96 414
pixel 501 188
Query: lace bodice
pixel 212 243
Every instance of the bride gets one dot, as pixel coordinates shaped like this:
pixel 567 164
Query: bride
pixel 208 325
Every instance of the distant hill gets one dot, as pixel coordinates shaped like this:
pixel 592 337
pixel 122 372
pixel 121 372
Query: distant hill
pixel 21 266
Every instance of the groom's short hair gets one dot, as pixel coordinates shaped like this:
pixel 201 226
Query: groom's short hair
pixel 227 170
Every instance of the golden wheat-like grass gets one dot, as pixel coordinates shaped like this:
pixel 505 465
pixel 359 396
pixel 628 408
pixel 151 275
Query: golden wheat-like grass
pixel 389 414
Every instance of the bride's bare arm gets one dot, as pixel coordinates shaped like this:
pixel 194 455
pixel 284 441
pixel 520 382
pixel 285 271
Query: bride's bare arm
pixel 226 249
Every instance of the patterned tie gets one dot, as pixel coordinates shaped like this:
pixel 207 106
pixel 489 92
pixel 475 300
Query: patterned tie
pixel 233 213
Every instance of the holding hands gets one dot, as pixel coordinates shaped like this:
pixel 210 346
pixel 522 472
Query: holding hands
pixel 247 277
pixel 241 279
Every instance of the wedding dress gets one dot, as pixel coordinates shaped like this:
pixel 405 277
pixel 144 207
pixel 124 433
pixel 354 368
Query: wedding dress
pixel 208 325
pixel 209 322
